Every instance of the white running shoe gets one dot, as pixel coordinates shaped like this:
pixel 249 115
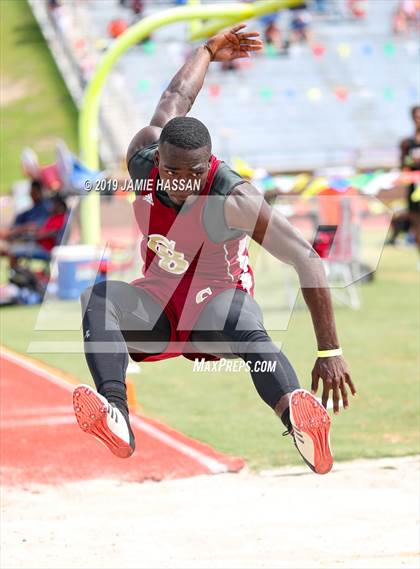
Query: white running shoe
pixel 311 430
pixel 97 417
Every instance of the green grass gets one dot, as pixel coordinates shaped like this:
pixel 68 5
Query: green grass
pixel 36 106
pixel 381 346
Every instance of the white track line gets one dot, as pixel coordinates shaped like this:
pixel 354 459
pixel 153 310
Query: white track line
pixel 28 411
pixel 37 422
pixel 212 464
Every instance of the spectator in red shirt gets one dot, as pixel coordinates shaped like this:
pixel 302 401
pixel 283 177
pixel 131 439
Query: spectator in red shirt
pixel 49 233
pixel 37 242
pixel 34 216
pixel 357 8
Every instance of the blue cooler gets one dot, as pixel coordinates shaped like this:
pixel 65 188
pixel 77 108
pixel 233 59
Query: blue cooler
pixel 78 268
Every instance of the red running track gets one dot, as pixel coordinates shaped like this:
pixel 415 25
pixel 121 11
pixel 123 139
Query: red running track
pixel 40 441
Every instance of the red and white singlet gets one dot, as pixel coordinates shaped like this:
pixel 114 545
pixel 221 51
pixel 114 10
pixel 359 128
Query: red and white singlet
pixel 183 268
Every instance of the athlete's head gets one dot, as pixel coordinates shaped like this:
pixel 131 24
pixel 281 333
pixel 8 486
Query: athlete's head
pixel 183 154
pixel 415 113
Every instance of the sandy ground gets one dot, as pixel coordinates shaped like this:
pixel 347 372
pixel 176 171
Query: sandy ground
pixel 363 514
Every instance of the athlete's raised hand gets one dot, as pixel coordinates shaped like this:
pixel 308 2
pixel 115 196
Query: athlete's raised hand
pixel 335 375
pixel 234 44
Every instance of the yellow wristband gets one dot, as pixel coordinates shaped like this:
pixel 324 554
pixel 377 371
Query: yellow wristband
pixel 329 353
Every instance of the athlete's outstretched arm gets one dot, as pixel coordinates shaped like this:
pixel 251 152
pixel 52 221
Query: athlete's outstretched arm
pixel 246 209
pixel 179 96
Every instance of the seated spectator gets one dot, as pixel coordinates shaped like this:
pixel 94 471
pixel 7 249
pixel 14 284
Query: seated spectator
pixel 53 4
pixel 411 9
pixel 273 36
pixel 399 22
pixel 34 216
pixel 357 8
pixel 406 18
pixel 38 241
pixel 137 7
pixel 300 24
pixel 57 14
pixel 51 232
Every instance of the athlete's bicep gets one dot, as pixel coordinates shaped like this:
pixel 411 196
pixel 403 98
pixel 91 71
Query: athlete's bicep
pixel 246 209
pixel 242 208
pixel 145 136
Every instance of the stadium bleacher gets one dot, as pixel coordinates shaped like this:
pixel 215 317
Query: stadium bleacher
pixel 284 113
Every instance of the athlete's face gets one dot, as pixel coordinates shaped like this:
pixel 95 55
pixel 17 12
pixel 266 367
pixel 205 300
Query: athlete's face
pixel 184 172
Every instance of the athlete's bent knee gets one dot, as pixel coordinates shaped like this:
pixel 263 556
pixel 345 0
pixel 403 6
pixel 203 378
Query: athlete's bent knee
pixel 249 341
pixel 85 296
pixel 93 292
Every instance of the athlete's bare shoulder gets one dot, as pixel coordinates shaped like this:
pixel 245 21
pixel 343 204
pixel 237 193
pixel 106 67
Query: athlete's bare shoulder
pixel 146 136
pixel 246 189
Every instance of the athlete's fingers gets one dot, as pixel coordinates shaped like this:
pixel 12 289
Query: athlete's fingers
pixel 350 384
pixel 236 28
pixel 336 398
pixel 255 47
pixel 325 393
pixel 251 47
pixel 315 381
pixel 251 42
pixel 249 34
pixel 344 395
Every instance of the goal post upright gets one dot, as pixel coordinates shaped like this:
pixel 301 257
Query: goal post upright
pixel 225 14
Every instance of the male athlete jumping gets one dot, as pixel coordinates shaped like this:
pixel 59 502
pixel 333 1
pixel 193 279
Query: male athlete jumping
pixel 196 295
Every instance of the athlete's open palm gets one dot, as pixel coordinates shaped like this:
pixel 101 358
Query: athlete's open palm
pixel 234 44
